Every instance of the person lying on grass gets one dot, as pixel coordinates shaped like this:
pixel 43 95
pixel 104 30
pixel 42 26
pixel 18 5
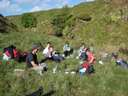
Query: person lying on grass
pixel 32 61
pixel 119 61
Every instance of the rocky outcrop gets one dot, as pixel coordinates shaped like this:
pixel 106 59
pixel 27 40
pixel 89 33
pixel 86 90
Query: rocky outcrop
pixel 5 25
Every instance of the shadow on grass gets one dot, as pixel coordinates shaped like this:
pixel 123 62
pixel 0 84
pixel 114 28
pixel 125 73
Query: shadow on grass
pixel 50 93
pixel 40 92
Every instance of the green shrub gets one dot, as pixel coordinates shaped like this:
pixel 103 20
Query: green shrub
pixel 59 21
pixel 28 21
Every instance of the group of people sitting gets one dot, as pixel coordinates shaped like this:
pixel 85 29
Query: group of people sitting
pixel 84 54
pixel 30 58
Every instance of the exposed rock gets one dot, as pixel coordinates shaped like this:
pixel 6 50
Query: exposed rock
pixel 6 26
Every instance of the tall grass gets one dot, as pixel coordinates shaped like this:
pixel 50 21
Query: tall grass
pixel 106 36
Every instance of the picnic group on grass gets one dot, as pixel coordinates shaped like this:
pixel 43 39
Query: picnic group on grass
pixel 85 55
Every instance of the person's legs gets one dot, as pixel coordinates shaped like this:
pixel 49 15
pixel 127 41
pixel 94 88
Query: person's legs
pixel 82 71
pixel 56 58
pixel 71 52
pixel 65 53
pixel 44 66
pixel 45 59
pixel 39 69
pixel 68 53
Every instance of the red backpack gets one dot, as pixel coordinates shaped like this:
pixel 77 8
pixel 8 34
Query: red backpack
pixel 16 53
pixel 85 65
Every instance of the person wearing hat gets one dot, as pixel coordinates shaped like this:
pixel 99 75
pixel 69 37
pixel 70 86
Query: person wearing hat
pixel 32 61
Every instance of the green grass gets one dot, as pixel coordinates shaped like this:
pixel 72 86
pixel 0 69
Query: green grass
pixel 105 35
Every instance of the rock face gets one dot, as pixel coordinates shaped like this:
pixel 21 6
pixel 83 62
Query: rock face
pixel 5 25
pixel 2 24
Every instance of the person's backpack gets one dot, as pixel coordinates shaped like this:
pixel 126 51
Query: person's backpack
pixel 11 51
pixel 83 56
pixel 90 69
pixel 85 65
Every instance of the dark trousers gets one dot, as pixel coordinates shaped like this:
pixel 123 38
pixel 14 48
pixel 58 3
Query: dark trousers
pixel 45 59
pixel 67 53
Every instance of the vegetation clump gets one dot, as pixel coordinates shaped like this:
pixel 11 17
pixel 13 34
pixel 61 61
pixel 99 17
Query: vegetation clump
pixel 28 20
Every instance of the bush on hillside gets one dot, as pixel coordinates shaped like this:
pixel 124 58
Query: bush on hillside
pixel 28 21
pixel 59 21
pixel 6 25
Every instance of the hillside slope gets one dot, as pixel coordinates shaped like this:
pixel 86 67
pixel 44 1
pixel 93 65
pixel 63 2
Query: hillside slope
pixel 106 28
pixel 6 25
pixel 98 24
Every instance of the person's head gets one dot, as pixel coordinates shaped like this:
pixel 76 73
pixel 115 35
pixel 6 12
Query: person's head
pixel 114 55
pixel 87 50
pixel 82 45
pixel 12 46
pixel 35 48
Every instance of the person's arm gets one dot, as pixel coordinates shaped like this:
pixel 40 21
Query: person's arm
pixel 31 60
pixel 64 48
pixel 92 59
pixel 33 64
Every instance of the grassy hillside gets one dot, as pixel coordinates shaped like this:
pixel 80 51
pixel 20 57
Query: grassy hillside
pixel 107 31
pixel 106 28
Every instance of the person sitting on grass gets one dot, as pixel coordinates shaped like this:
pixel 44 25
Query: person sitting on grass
pixel 67 50
pixel 47 52
pixel 32 61
pixel 119 61
pixel 82 53
pixel 87 65
pixel 90 56
pixel 50 54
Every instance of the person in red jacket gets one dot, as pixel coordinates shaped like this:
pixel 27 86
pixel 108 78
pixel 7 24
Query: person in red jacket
pixel 10 53
pixel 87 66
pixel 90 56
